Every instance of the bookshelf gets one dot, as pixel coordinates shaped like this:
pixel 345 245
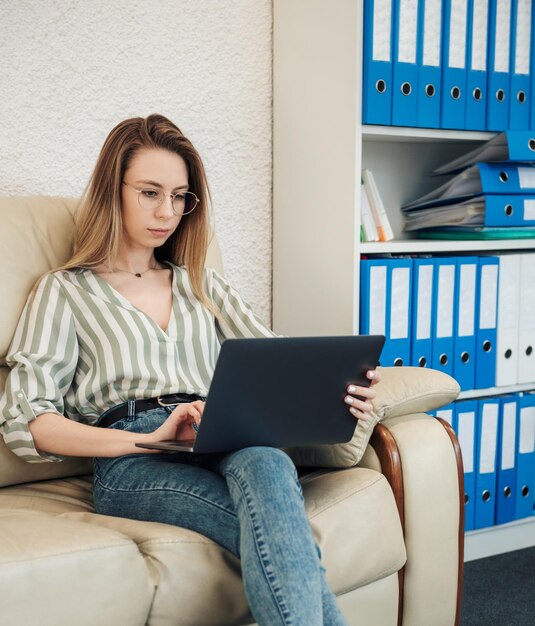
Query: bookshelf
pixel 320 147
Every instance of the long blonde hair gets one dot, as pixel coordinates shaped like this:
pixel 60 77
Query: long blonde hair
pixel 98 226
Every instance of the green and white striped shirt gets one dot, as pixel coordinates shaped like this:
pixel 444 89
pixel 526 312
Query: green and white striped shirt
pixel 81 347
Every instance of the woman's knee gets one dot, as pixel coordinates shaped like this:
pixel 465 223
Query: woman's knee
pixel 259 460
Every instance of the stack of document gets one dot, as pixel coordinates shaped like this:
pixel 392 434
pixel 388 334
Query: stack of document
pixel 498 192
pixel 497 440
pixel 513 145
pixel 461 64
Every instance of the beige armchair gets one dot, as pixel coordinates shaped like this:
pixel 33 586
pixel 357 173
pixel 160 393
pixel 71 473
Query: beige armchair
pixel 390 529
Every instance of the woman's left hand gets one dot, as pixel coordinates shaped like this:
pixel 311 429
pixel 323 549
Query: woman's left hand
pixel 358 398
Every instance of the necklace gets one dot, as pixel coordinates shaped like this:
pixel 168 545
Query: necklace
pixel 136 274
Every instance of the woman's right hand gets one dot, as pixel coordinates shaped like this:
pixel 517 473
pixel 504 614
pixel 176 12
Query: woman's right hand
pixel 179 425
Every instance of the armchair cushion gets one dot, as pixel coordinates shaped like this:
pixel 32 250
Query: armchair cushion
pixel 402 391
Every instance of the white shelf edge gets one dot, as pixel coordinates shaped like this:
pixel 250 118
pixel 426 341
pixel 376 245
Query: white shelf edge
pixel 408 246
pixel 495 391
pixel 403 133
pixel 484 542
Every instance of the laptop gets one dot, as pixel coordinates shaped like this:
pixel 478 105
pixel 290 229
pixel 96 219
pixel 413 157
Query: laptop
pixel 281 392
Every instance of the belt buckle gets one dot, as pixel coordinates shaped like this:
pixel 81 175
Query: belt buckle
pixel 162 403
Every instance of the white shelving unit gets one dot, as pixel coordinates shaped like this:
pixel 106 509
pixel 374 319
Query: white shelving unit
pixel 320 148
pixel 484 542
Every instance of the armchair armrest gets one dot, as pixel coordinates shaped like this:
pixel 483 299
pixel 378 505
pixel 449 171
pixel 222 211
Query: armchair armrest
pixel 402 391
pixel 421 458
pixel 408 390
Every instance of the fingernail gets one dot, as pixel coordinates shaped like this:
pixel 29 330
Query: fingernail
pixel 353 410
pixel 352 389
pixel 371 374
pixel 348 400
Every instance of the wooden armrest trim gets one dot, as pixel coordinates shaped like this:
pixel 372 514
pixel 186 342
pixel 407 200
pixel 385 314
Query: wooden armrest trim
pixel 387 451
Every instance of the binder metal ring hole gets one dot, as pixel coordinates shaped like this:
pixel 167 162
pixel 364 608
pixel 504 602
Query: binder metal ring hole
pixel 422 361
pixel 508 353
pixel 525 491
pixel 485 495
pixel 507 492
pixel 508 209
pixel 531 144
pixel 380 85
pixel 529 350
pixel 500 95
pixel 430 90
pixel 443 359
pixel 398 362
pixel 455 93
pixel 466 498
pixel 406 89
pixel 504 177
pixel 477 94
pixel 487 346
pixel 521 97
pixel 465 357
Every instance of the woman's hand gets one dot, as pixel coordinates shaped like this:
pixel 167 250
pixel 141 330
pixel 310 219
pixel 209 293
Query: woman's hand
pixel 358 398
pixel 179 425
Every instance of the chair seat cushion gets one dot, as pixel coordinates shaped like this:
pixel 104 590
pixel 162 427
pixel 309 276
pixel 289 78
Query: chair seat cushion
pixel 352 512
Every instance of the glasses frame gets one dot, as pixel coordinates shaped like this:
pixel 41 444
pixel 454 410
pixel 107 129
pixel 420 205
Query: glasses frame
pixel 164 195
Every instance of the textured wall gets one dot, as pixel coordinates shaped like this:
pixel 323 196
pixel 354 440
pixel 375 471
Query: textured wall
pixel 71 70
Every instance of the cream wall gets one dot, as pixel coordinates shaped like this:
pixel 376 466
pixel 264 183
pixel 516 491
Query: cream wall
pixel 71 70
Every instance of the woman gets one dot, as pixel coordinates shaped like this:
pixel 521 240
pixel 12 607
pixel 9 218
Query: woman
pixel 123 340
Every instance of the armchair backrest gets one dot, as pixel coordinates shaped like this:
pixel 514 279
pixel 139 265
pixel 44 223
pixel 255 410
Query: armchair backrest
pixel 36 236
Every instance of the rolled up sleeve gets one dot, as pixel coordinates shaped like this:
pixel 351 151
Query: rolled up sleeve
pixel 238 319
pixel 43 357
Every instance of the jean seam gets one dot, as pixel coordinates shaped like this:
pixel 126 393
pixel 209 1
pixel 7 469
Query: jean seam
pixel 166 490
pixel 283 611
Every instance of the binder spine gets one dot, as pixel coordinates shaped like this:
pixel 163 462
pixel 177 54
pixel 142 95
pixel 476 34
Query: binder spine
pixel 507 330
pixel 519 102
pixel 526 324
pixel 509 210
pixel 499 64
pixel 444 309
pixel 487 439
pixel 507 452
pixel 397 353
pixel 465 340
pixel 422 312
pixel 466 430
pixel 377 62
pixel 525 484
pixel 476 64
pixel 429 64
pixel 405 69
pixel 486 315
pixel 453 112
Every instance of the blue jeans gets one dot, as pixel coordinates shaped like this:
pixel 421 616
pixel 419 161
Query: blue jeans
pixel 250 502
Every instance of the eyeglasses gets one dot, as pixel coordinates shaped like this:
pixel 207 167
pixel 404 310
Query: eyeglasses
pixel 149 198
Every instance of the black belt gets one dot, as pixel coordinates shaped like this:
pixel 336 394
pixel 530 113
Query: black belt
pixel 116 413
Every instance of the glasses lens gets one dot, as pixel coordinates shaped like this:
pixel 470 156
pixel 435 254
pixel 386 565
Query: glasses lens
pixel 150 199
pixel 185 202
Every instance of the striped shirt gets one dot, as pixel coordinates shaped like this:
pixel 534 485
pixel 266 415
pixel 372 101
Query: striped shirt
pixel 81 347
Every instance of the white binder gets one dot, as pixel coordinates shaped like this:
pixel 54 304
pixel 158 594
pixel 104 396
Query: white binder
pixel 508 318
pixel 526 325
